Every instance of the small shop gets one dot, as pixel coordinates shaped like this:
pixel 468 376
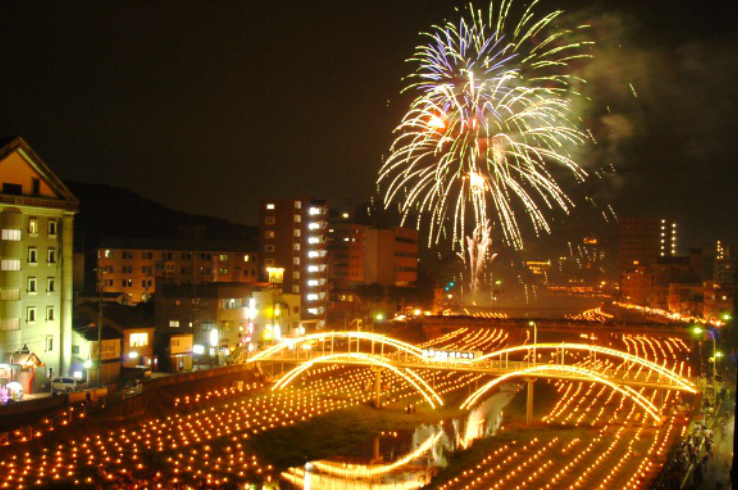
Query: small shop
pixel 20 368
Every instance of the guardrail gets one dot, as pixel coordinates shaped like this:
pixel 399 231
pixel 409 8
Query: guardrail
pixel 64 417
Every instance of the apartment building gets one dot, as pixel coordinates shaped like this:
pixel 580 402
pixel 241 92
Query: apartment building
pixel 391 256
pixel 131 266
pixel 37 224
pixel 292 245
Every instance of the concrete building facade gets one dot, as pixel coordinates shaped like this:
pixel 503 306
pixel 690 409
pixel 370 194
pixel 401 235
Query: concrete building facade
pixel 292 245
pixel 391 256
pixel 36 265
pixel 132 266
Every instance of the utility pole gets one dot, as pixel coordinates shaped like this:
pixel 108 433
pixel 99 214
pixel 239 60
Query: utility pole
pixel 100 321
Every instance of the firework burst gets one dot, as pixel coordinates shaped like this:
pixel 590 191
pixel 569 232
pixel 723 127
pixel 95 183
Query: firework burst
pixel 493 116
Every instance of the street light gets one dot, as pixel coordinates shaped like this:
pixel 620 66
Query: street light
pixel 535 339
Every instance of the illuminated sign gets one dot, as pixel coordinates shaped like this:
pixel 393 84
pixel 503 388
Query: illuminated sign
pixel 448 355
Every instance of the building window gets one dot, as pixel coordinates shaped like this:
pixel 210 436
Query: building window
pixel 270 220
pixel 270 206
pixel 31 314
pixel 173 323
pixel 298 218
pixel 295 289
pixel 33 226
pixel 312 297
pixel 223 257
pixel 32 285
pixel 298 233
pixel 35 186
pixel 108 254
pixel 269 248
pixel 296 275
pixel 314 226
pixel 224 271
pixel 296 260
pixel 32 255
pixel 52 227
pixel 75 349
pixel 50 285
pixel 313 254
pixel 313 239
pixel 11 235
pixel 49 344
pixel 126 283
pixel 268 261
pixel 140 339
pixel 315 211
pixel 10 265
pixel 269 234
pixel 51 256
pixel 296 246
pixel 50 314
pixel 246 258
pixel 298 205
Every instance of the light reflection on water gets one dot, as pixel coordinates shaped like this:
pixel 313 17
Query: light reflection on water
pixel 405 463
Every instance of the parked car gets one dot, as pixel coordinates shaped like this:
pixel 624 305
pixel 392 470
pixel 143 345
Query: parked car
pixel 65 385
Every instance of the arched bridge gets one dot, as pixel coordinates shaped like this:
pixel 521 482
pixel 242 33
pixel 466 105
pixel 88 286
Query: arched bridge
pixel 405 360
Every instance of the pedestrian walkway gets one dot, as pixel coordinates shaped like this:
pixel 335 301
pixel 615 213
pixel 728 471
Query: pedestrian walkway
pixel 717 471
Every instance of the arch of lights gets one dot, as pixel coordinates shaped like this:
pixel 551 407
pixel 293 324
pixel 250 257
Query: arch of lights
pixel 407 374
pixel 639 399
pixel 680 381
pixel 327 336
pixel 349 470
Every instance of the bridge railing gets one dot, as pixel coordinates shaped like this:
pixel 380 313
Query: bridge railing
pixel 501 365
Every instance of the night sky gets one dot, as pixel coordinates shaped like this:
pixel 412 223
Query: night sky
pixel 208 106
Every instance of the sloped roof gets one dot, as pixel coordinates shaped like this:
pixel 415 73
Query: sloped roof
pixel 67 200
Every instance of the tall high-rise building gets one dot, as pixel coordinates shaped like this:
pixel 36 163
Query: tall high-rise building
pixel 292 243
pixel 36 291
pixel 723 268
pixel 643 241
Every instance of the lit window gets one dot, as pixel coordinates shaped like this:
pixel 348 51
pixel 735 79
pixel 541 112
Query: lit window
pixel 11 235
pixel 269 248
pixel 108 254
pixel 296 260
pixel 270 205
pixel 268 261
pixel 312 311
pixel 298 218
pixel 174 323
pixel 33 226
pixel 32 255
pixel 296 246
pixel 314 226
pixel 345 239
pixel 312 282
pixel 52 227
pixel 298 233
pixel 314 211
pixel 296 275
pixel 313 268
pixel 313 239
pixel 313 254
pixel 139 339
pixel 312 297
pixel 245 258
pixel 270 220
pixel 269 234
pixel 298 205
pixel 295 289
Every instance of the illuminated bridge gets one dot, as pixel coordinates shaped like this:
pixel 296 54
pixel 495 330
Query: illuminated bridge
pixel 405 360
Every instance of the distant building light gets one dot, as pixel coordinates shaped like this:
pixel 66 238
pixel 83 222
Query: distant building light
pixel 270 205
pixel 345 215
pixel 314 211
pixel 133 355
pixel 313 239
pixel 312 297
pixel 198 349
pixel 313 254
pixel 314 226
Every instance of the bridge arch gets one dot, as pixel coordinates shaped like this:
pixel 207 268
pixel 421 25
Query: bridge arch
pixel 639 399
pixel 407 374
pixel 677 379
pixel 328 336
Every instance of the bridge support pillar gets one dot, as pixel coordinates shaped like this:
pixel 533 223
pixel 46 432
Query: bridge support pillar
pixel 377 389
pixel 529 402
